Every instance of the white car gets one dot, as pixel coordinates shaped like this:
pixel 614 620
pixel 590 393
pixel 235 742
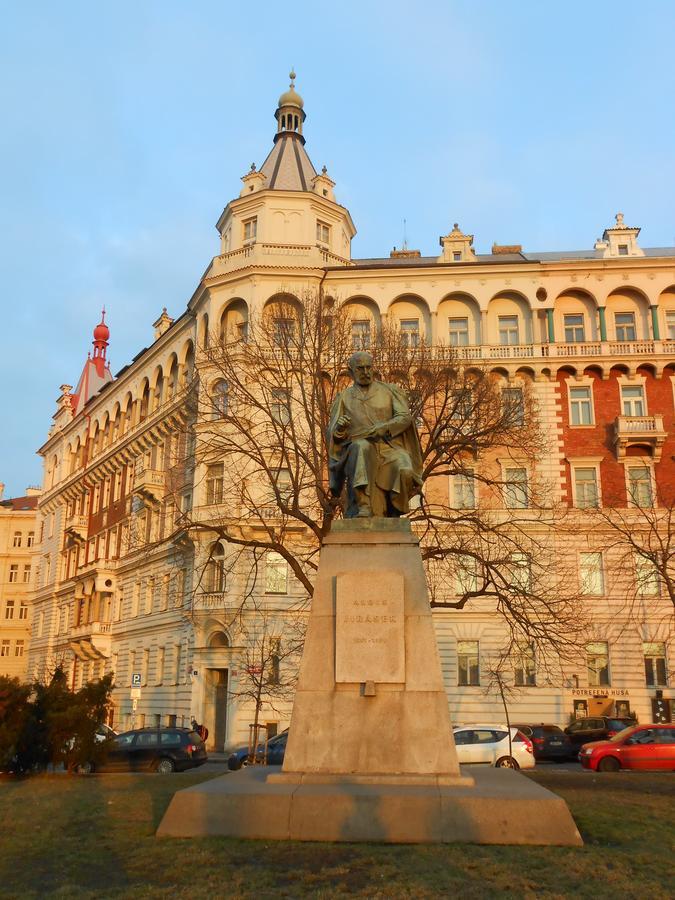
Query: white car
pixel 489 744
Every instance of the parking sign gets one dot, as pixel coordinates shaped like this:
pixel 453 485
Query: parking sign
pixel 136 679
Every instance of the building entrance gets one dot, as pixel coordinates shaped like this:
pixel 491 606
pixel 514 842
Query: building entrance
pixel 215 709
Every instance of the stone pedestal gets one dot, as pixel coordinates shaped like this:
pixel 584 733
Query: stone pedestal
pixel 370 753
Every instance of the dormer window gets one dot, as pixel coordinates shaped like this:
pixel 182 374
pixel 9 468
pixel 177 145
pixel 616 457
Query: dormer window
pixel 323 233
pixel 250 230
pixel 456 256
pixel 623 249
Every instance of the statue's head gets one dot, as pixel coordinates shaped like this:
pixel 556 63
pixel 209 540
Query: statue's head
pixel 360 365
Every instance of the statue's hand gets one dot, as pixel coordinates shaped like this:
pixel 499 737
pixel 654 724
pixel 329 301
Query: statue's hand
pixel 342 426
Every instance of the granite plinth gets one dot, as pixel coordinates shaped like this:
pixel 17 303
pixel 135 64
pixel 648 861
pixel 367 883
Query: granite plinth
pixel 497 806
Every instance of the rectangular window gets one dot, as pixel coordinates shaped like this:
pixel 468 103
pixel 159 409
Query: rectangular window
pixel 4 648
pixel 524 667
pixel 515 488
pixel 591 575
pixel 466 575
pixel 214 484
pixel 597 664
pixel 457 256
pixel 462 405
pixel 508 330
pixel 280 407
pixel 283 332
pixel 410 333
pixel 18 649
pixel 585 487
pixel 464 490
pixel 322 233
pixel 520 570
pixel 31 539
pixel 623 249
pixel 633 400
pixel 640 486
pixel 581 406
pixel 656 671
pixel 625 326
pixel 9 609
pixel 468 672
pixel 574 328
pixel 670 324
pixel 282 479
pixel 276 574
pixel 513 407
pixel 360 334
pixel 458 332
pixel 250 229
pixel 159 668
pixel 647 580
pixel 13 573
pixel 23 611
pixel 17 539
pixel 274 676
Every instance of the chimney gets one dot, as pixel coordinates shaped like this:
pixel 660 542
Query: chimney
pixel 162 324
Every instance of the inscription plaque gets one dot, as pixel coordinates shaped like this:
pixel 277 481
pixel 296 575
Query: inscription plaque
pixel 369 627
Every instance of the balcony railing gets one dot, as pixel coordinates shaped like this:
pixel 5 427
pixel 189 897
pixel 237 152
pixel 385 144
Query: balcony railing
pixel 91 640
pixel 150 484
pixel 632 430
pixel 76 527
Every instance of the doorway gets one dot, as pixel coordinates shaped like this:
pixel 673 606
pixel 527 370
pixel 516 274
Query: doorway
pixel 215 709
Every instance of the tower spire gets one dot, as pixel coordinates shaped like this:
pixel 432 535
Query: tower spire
pixel 290 113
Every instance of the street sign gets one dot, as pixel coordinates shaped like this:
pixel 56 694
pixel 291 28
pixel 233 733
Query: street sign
pixel 136 679
pixel 135 693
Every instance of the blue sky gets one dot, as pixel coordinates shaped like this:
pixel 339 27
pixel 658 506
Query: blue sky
pixel 125 131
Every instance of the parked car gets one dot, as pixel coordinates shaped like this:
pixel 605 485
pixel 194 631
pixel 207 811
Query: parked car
pixel 156 749
pixel 276 747
pixel 490 744
pixel 641 747
pixel 596 728
pixel 105 731
pixel 549 742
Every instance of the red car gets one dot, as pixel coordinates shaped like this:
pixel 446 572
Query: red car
pixel 640 747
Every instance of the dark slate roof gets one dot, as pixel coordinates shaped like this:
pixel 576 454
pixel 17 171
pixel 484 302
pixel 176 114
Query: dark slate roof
pixel 288 167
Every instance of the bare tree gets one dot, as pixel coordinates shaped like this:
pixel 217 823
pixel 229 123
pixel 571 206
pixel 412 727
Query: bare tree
pixel 260 451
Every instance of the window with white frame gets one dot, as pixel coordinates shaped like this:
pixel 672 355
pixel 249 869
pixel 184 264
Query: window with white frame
pixel 4 648
pixel 284 484
pixel 525 672
pixel 520 571
pixel 633 400
pixel 360 334
pixel 215 570
pixel 276 574
pixel 670 324
pixel 463 490
pixel 280 406
pixel 513 406
pixel 597 663
pixel 250 229
pixel 574 328
pixel 624 324
pixel 18 647
pixel 23 610
pixel 13 573
pixel 462 404
pixel 656 670
pixel 468 663
pixel 17 539
pixel 31 539
pixel 586 487
pixel 581 405
pixel 26 574
pixel 220 399
pixel 458 332
pixel 322 232
pixel 515 487
pixel 466 575
pixel 591 575
pixel 214 484
pixel 508 330
pixel 640 486
pixel 410 332
pixel 9 609
pixel 647 579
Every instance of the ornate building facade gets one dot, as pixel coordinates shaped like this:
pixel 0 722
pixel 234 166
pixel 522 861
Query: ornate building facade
pixel 19 536
pixel 591 334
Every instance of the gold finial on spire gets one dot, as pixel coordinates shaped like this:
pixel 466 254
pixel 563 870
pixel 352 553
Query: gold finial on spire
pixel 291 75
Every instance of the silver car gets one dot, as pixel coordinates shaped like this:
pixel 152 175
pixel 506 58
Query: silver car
pixel 489 745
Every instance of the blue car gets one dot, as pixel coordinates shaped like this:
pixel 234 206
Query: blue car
pixel 276 747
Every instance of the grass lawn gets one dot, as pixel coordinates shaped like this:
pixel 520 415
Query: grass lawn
pixel 94 837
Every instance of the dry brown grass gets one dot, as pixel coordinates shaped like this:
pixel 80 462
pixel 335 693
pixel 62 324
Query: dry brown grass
pixel 94 837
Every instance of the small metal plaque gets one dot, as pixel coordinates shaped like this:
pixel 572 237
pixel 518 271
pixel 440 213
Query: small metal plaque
pixel 369 627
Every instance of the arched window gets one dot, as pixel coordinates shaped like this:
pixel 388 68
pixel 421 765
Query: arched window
pixel 219 639
pixel 215 570
pixel 220 399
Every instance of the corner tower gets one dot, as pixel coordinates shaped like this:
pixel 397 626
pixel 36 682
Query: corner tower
pixel 285 208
